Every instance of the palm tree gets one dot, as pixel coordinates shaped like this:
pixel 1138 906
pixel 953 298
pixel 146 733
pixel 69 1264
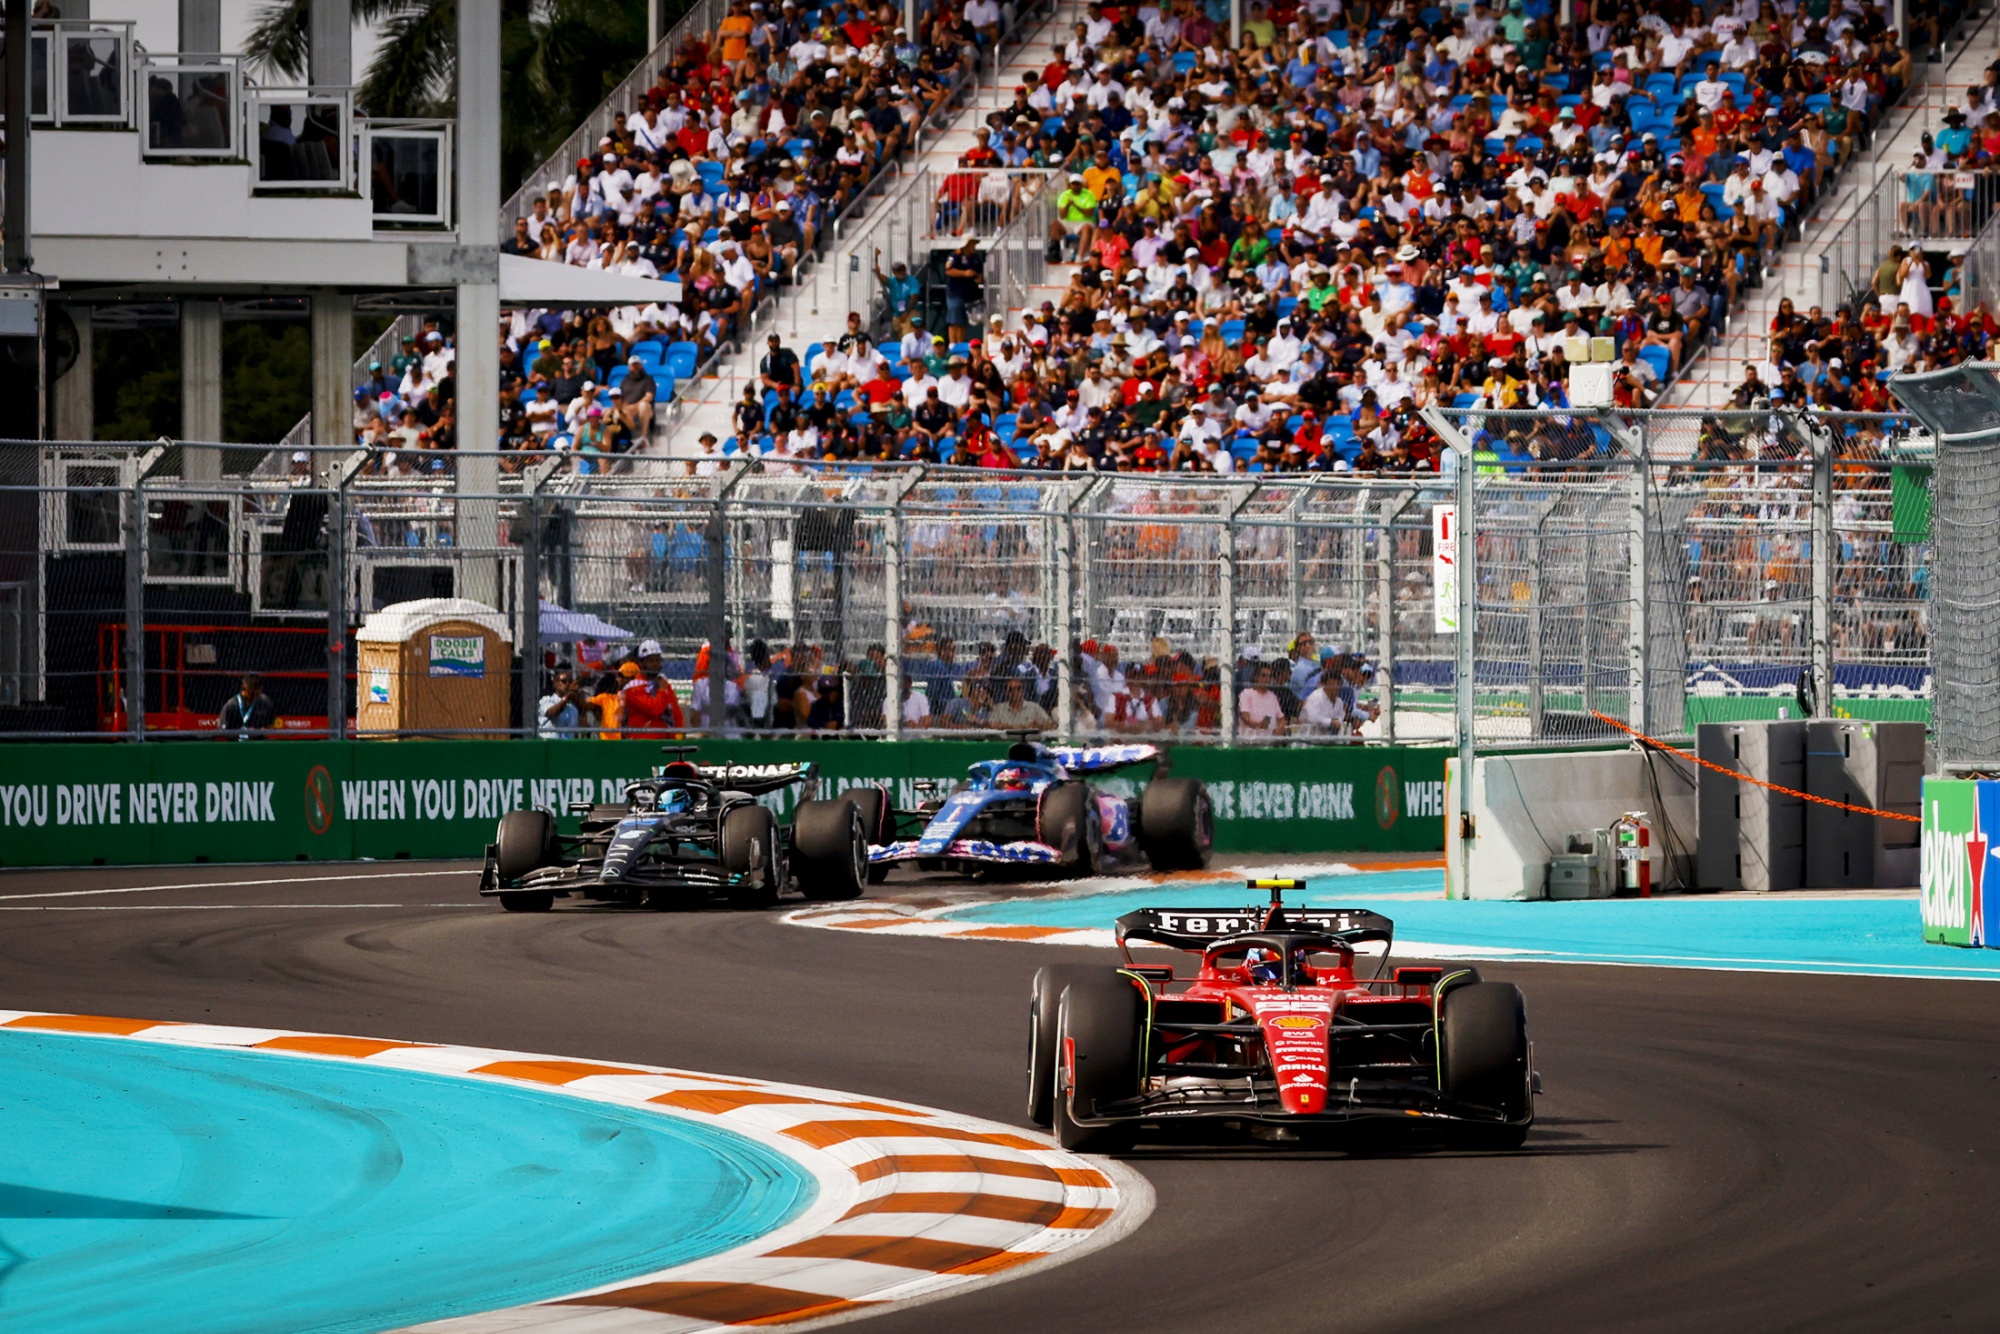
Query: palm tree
pixel 559 58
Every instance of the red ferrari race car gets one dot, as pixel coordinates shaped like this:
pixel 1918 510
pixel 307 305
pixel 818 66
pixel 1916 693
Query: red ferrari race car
pixel 1274 1033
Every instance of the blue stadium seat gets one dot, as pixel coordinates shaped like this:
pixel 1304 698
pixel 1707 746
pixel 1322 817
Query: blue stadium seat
pixel 1658 358
pixel 1232 332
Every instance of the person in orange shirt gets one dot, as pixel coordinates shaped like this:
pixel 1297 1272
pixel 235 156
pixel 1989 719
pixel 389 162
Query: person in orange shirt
pixel 606 701
pixel 735 33
pixel 648 702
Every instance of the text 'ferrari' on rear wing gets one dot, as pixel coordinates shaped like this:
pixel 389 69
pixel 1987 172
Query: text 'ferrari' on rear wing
pixel 1198 928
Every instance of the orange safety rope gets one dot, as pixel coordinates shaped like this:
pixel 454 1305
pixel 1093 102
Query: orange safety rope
pixel 1731 773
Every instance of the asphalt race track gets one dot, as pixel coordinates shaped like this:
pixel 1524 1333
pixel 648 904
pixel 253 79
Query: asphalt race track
pixel 1738 1150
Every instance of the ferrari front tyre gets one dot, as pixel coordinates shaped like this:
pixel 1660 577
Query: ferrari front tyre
pixel 528 900
pixel 1098 1027
pixel 1044 1000
pixel 1066 820
pixel 829 849
pixel 1483 1063
pixel 750 854
pixel 1176 824
pixel 526 841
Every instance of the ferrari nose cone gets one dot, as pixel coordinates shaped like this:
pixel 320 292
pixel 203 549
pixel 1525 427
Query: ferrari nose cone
pixel 1296 1036
pixel 1302 1095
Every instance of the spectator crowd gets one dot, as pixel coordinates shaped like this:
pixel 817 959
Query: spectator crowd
pixel 1013 686
pixel 1287 247
pixel 1290 247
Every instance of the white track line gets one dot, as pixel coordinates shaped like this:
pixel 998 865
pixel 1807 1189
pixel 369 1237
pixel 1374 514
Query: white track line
pixel 231 884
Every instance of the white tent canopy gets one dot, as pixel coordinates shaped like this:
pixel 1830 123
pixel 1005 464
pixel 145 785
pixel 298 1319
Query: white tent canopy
pixel 537 282
pixel 562 626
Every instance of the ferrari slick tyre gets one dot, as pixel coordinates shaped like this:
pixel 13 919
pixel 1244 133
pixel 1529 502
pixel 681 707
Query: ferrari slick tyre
pixel 526 841
pixel 829 849
pixel 750 851
pixel 528 900
pixel 1066 820
pixel 1098 1019
pixel 1483 1062
pixel 1176 824
pixel 1044 1042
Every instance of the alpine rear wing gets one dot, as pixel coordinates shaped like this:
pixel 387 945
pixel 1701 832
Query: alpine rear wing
pixel 1104 759
pixel 1199 928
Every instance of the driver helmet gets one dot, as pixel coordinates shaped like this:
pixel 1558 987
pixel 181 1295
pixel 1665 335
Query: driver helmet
pixel 676 801
pixel 1264 967
pixel 1012 780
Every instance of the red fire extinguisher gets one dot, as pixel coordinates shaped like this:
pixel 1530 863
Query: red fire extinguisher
pixel 1634 839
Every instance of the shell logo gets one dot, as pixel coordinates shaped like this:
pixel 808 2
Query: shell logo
pixel 1295 1021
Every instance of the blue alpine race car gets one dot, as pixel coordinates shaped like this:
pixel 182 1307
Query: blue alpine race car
pixel 1037 808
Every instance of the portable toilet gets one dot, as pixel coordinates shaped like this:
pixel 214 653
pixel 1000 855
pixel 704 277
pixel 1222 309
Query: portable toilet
pixel 434 667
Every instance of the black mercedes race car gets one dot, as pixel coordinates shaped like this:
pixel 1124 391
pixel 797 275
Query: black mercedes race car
pixel 688 833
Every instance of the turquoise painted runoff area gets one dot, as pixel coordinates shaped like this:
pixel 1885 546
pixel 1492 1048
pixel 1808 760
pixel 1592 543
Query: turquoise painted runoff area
pixel 1867 936
pixel 145 1186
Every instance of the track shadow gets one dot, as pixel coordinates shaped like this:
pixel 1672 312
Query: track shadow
pixel 33 1202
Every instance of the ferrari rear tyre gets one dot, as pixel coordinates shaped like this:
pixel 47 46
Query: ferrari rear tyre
pixel 528 900
pixel 1483 1062
pixel 1066 820
pixel 1098 1022
pixel 1176 824
pixel 829 849
pixel 526 841
pixel 750 852
pixel 1043 1040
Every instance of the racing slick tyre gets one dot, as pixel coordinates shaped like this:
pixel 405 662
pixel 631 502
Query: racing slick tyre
pixel 528 900
pixel 1043 1040
pixel 829 850
pixel 750 849
pixel 1176 824
pixel 1098 1022
pixel 1066 820
pixel 873 803
pixel 1483 1062
pixel 526 841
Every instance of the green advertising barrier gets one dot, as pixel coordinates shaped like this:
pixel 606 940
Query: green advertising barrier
pixel 224 801
pixel 1961 816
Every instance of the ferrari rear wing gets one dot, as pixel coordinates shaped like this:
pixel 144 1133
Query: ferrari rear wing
pixel 1199 928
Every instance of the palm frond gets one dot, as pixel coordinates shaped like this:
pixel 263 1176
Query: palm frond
pixel 279 39
pixel 412 73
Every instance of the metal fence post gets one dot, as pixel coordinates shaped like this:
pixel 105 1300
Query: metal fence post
pixel 1226 682
pixel 1822 573
pixel 1639 711
pixel 1385 575
pixel 531 608
pixel 892 610
pixel 135 610
pixel 1465 558
pixel 1060 526
pixel 718 617
pixel 336 605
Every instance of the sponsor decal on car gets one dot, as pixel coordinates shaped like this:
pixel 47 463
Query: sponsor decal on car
pixel 978 849
pixel 1088 759
pixel 1295 1021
